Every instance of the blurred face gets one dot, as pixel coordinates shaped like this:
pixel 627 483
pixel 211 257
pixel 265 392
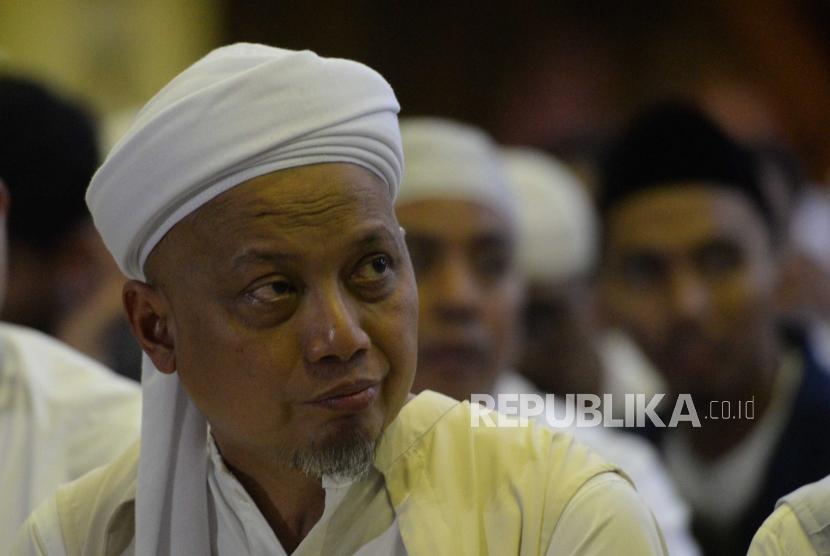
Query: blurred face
pixel 559 332
pixel 293 312
pixel 689 272
pixel 469 292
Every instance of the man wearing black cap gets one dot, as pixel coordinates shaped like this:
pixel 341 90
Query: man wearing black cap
pixel 690 269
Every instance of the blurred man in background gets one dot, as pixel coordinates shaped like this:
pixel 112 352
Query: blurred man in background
pixel 690 271
pixel 48 154
pixel 61 414
pixel 62 281
pixel 566 347
pixel 461 222
pixel 555 255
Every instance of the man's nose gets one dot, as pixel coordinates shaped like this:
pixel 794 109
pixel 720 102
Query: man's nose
pixel 332 329
pixel 688 296
pixel 457 291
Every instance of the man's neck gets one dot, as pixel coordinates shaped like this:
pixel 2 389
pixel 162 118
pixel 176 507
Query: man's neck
pixel 717 437
pixel 289 500
pixel 578 372
pixel 291 505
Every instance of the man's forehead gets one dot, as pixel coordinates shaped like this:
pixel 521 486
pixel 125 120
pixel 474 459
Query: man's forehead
pixel 300 205
pixel 296 247
pixel 299 192
pixel 682 213
pixel 453 218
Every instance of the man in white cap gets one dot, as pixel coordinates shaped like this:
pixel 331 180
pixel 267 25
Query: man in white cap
pixel 459 218
pixel 565 348
pixel 251 204
pixel 461 229
pixel 564 351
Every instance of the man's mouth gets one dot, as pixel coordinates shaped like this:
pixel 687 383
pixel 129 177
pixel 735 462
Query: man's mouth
pixel 349 397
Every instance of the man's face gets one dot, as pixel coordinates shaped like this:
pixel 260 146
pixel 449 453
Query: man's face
pixel 559 332
pixel 689 272
pixel 469 294
pixel 294 311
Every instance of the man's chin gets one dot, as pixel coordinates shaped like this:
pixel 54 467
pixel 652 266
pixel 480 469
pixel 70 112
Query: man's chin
pixel 346 450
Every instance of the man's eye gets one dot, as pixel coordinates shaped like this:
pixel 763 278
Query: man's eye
pixel 642 272
pixel 491 265
pixel 719 260
pixel 421 261
pixel 372 268
pixel 273 291
pixel 545 313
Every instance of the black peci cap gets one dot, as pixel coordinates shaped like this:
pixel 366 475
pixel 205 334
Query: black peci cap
pixel 675 142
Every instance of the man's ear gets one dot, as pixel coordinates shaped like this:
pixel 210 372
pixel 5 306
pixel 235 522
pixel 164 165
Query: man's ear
pixel 148 312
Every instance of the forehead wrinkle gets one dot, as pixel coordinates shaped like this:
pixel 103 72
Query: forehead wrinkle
pixel 289 213
pixel 311 212
pixel 374 234
pixel 279 198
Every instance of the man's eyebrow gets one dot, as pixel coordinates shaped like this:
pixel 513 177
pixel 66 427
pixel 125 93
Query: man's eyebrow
pixel 645 253
pixel 373 237
pixel 494 239
pixel 260 256
pixel 379 235
pixel 422 242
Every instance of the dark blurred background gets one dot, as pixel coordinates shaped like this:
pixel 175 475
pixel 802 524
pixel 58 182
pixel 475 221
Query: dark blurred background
pixel 561 75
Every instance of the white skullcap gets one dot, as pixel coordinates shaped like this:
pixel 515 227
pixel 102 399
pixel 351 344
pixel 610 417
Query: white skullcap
pixel 450 160
pixel 241 111
pixel 557 222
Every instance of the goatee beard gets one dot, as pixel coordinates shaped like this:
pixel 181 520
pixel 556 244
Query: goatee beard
pixel 345 455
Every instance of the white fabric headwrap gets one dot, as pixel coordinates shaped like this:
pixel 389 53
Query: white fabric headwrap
pixel 450 160
pixel 241 111
pixel 557 222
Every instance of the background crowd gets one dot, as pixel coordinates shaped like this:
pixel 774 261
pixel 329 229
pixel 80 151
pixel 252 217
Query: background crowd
pixel 598 198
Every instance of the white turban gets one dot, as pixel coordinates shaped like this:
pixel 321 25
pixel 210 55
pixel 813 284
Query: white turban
pixel 557 222
pixel 450 160
pixel 240 112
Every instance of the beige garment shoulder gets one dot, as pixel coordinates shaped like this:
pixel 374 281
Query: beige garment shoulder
pixel 462 489
pixel 453 486
pixel 96 512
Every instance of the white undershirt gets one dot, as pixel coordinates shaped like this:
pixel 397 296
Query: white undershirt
pixel 720 490
pixel 240 528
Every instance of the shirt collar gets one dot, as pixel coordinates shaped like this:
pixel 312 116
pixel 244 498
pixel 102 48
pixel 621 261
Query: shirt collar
pixel 415 419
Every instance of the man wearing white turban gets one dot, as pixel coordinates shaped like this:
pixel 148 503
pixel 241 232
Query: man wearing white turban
pixel 563 351
pixel 461 222
pixel 251 206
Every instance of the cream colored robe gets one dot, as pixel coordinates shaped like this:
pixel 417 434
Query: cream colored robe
pixel 61 415
pixel 455 489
